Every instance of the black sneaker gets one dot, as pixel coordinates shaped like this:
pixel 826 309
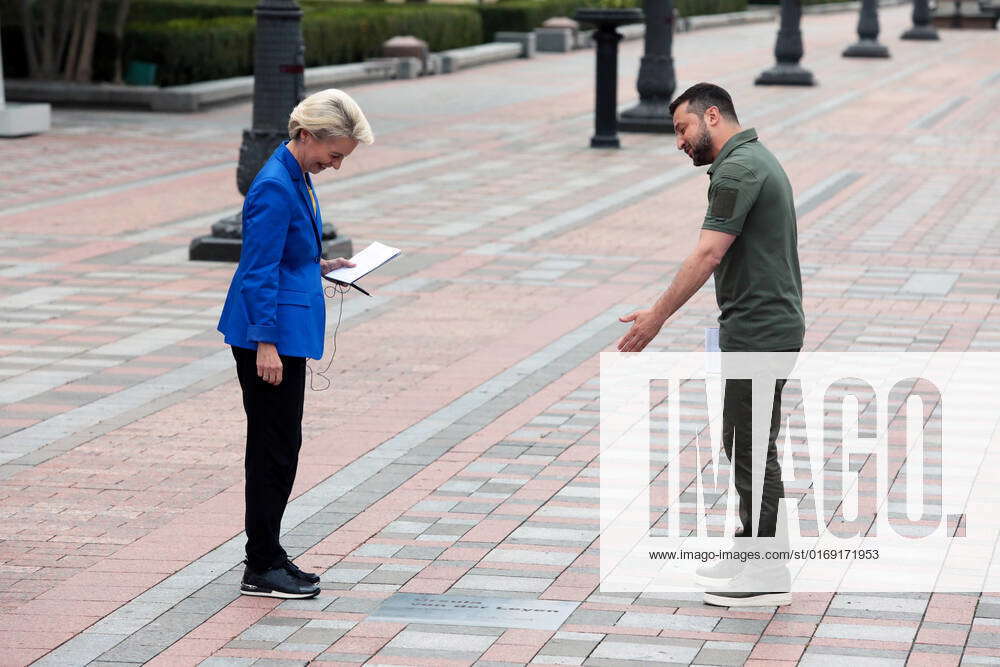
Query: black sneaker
pixel 277 582
pixel 301 574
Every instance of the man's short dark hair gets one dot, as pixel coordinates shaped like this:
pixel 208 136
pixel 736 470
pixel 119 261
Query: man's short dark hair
pixel 701 96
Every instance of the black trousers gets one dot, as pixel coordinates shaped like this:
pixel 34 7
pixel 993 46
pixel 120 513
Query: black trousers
pixel 274 437
pixel 737 441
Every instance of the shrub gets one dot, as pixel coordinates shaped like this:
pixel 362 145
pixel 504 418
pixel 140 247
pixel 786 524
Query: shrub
pixel 189 50
pixel 526 15
pixel 700 7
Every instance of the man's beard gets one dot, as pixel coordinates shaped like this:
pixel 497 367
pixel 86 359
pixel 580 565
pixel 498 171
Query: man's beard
pixel 701 151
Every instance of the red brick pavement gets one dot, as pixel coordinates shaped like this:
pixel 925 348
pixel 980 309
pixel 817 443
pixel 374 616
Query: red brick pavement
pixel 91 528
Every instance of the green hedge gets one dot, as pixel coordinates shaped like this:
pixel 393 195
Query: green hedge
pixel 526 15
pixel 189 50
pixel 804 2
pixel 700 7
pixel 201 40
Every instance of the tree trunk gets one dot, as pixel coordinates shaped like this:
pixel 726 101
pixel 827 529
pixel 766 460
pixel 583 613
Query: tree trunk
pixel 120 19
pixel 47 39
pixel 28 28
pixel 73 51
pixel 62 37
pixel 85 65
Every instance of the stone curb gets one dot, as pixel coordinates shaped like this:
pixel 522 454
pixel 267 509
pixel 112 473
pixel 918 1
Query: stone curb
pixel 196 96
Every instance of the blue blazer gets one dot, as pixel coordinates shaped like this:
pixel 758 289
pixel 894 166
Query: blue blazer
pixel 276 295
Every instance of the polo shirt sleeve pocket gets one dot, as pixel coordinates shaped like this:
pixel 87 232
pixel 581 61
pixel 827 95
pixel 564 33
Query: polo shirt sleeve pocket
pixel 731 196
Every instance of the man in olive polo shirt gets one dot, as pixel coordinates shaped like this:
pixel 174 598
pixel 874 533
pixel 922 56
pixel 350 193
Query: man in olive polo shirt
pixel 749 241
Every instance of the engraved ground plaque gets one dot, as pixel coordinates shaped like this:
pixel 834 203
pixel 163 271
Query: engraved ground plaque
pixel 474 610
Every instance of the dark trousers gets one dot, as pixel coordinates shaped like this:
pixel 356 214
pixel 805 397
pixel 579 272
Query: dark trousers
pixel 736 439
pixel 274 437
pixel 738 444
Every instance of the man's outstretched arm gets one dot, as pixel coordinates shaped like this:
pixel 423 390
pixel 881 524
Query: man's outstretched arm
pixel 695 270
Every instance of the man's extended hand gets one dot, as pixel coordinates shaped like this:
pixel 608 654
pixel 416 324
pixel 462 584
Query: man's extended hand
pixel 647 325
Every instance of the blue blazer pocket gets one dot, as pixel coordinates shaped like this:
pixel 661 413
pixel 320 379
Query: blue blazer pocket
pixel 291 297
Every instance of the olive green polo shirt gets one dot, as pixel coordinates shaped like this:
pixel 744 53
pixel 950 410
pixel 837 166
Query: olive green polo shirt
pixel 757 284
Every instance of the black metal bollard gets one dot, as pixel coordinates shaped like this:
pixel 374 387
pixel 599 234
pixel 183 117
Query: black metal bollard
pixel 657 80
pixel 279 84
pixel 867 45
pixel 607 38
pixel 788 51
pixel 922 28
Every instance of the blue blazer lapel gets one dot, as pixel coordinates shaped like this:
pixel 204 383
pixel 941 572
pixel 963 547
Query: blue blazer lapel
pixel 300 181
pixel 315 214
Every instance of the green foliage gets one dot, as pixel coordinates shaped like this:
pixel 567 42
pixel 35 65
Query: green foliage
pixel 804 2
pixel 189 50
pixel 700 7
pixel 526 15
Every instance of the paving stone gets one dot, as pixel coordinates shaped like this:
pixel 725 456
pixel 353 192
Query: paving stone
pixel 667 621
pixel 648 649
pixel 440 641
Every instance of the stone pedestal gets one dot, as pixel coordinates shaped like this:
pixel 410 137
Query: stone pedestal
pixel 407 46
pixel 922 28
pixel 554 40
pixel 657 81
pixel 21 120
pixel 867 45
pixel 788 51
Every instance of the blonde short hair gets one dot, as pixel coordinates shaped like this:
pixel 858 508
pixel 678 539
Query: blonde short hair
pixel 330 113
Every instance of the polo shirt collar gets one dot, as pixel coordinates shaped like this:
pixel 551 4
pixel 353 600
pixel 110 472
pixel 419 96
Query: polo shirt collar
pixel 738 139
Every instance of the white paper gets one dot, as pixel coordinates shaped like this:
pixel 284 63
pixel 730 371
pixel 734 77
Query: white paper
pixel 365 262
pixel 713 355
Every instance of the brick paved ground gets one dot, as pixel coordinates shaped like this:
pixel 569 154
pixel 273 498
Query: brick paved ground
pixel 455 452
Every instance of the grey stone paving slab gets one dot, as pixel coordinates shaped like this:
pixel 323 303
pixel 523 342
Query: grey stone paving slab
pixel 667 621
pixel 569 647
pixel 816 656
pixel 741 626
pixel 594 617
pixel 358 658
pixel 932 283
pixel 868 631
pixel 709 656
pixel 487 583
pixel 470 610
pixel 648 649
pixel 411 639
pixel 531 557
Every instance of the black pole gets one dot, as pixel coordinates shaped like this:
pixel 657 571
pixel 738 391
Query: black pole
pixel 788 51
pixel 605 117
pixel 279 84
pixel 657 81
pixel 607 38
pixel 922 28
pixel 867 45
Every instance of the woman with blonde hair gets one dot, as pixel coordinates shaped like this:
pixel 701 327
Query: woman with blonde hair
pixel 275 316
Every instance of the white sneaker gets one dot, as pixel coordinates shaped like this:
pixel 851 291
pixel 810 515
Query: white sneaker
pixel 753 588
pixel 717 573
